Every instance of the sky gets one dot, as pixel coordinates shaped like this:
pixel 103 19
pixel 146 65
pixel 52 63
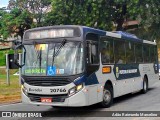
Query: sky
pixel 3 3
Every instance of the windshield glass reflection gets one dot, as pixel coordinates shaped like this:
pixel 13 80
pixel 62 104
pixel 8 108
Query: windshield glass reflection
pixel 54 59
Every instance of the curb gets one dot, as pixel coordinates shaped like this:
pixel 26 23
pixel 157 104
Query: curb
pixel 14 102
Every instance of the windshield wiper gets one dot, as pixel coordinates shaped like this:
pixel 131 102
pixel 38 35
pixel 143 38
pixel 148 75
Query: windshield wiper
pixel 55 53
pixel 40 59
pixel 39 56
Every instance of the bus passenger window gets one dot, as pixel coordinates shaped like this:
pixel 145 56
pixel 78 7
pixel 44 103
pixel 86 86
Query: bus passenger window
pixel 138 52
pixel 130 55
pixel 155 54
pixel 146 56
pixel 119 52
pixel 152 55
pixel 107 54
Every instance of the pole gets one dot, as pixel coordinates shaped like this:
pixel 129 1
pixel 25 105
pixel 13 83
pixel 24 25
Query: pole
pixel 20 70
pixel 7 70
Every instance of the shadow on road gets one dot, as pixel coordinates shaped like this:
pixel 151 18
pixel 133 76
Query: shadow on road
pixel 88 111
pixel 129 96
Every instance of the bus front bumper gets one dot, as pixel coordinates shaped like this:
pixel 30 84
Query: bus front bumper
pixel 78 99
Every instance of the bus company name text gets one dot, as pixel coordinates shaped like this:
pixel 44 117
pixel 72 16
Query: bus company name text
pixel 128 71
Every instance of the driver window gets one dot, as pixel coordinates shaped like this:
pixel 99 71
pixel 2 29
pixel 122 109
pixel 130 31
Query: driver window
pixel 92 48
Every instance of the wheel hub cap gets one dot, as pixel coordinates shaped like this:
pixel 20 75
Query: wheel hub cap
pixel 107 96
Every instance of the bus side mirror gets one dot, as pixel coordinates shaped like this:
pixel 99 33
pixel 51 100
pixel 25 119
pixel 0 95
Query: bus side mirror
pixel 17 50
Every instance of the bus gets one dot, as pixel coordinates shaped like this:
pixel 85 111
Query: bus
pixel 70 65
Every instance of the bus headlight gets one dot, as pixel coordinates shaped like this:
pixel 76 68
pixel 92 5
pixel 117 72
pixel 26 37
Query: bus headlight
pixel 24 89
pixel 79 87
pixel 75 89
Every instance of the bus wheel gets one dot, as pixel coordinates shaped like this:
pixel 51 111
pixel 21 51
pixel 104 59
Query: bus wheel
pixel 145 85
pixel 107 97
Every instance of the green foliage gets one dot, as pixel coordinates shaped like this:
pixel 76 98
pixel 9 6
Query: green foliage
pixel 3 57
pixel 88 13
pixel 98 14
pixel 2 13
pixel 37 8
pixel 102 14
pixel 11 4
pixel 15 23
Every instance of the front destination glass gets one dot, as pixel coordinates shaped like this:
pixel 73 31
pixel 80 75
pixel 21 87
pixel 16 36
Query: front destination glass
pixel 54 59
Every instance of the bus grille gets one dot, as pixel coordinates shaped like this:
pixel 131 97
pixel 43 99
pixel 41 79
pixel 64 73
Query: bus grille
pixel 48 81
pixel 55 98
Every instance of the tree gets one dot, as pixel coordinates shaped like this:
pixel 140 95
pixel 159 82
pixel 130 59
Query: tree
pixel 36 7
pixel 148 13
pixel 15 23
pixel 99 14
pixel 79 12
pixel 11 4
pixel 104 14
pixel 2 12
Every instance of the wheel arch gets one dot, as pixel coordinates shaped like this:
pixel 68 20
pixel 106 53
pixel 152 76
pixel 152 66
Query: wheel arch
pixel 109 82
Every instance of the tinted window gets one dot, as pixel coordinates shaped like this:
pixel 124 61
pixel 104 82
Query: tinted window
pixel 107 54
pixel 152 53
pixel 92 54
pixel 146 56
pixel 119 51
pixel 155 54
pixel 130 56
pixel 138 52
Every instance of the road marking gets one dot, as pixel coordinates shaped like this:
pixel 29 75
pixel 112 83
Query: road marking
pixel 10 104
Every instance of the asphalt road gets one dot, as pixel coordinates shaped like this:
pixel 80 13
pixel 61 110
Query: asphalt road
pixel 131 102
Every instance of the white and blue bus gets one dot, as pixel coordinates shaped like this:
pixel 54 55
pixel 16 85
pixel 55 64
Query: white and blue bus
pixel 79 66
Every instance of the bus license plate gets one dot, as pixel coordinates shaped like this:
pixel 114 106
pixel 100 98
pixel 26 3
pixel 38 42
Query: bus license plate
pixel 46 100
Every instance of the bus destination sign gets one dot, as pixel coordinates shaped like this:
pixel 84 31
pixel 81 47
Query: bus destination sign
pixel 50 33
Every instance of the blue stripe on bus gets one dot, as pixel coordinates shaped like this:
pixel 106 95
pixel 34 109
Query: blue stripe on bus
pixel 126 71
pixel 92 79
pixel 87 30
pixel 129 37
pixel 80 80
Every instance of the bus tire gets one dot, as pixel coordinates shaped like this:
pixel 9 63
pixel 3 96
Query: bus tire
pixel 107 97
pixel 145 85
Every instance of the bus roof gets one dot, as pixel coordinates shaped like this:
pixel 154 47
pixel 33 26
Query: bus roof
pixel 93 30
pixel 115 34
pixel 124 35
pixel 85 30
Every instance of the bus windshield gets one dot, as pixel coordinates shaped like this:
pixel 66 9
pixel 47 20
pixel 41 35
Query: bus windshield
pixel 54 59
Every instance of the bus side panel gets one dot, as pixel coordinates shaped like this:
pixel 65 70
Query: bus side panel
pixel 137 84
pixel 92 84
pixel 149 70
pixel 102 79
pixel 125 86
pixel 92 90
pixel 100 92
